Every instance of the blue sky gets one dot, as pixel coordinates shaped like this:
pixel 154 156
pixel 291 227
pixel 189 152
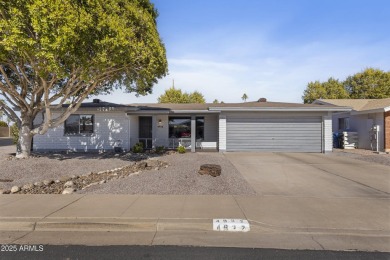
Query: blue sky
pixel 268 49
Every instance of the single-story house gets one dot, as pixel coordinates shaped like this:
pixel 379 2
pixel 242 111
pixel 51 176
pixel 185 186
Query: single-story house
pixel 249 126
pixel 366 118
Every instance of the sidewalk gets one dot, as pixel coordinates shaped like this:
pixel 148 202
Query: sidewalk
pixel 276 221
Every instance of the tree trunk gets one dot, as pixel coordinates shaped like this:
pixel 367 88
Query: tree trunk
pixel 23 147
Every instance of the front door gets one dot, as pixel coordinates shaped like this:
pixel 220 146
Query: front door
pixel 145 131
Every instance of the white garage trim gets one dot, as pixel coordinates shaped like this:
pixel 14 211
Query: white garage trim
pixel 280 133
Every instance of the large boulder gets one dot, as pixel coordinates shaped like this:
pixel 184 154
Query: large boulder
pixel 210 169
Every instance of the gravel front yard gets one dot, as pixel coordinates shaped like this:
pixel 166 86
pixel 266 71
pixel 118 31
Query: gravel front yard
pixel 363 155
pixel 180 177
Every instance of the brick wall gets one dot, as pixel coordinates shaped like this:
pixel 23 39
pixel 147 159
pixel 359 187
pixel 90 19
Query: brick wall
pixel 387 131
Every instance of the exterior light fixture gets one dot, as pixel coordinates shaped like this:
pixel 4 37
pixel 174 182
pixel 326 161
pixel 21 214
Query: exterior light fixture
pixel 160 124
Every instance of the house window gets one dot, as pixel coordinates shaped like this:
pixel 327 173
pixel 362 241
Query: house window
pixel 344 123
pixel 79 125
pixel 180 127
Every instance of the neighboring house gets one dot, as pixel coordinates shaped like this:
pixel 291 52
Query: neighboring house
pixel 365 114
pixel 249 126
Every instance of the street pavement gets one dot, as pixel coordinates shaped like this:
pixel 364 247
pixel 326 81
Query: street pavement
pixel 303 201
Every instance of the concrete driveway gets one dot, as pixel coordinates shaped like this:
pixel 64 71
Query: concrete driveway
pixel 312 175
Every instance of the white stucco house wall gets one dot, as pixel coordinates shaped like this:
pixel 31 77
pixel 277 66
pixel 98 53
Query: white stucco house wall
pixel 249 126
pixel 365 114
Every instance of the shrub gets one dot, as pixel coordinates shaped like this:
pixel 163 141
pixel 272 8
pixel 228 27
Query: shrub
pixel 181 149
pixel 138 148
pixel 160 149
pixel 15 133
pixel 2 123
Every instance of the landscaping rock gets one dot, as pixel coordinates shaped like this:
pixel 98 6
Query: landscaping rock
pixel 38 184
pixel 15 189
pixel 64 178
pixel 48 182
pixel 69 184
pixel 68 191
pixel 210 169
pixel 152 163
pixel 28 186
pixel 2 191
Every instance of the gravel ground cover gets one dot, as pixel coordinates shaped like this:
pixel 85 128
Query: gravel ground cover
pixel 180 177
pixel 363 155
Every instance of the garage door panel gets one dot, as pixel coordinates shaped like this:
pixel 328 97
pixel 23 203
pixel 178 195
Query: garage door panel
pixel 274 134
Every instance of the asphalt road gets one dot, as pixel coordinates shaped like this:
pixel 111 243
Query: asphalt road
pixel 177 252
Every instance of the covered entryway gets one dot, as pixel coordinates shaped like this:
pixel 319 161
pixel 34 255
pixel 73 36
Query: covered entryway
pixel 274 133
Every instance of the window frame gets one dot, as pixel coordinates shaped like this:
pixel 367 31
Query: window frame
pixel 197 126
pixel 344 123
pixel 79 132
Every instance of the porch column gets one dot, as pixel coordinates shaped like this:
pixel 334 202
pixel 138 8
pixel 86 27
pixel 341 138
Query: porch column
pixel 193 133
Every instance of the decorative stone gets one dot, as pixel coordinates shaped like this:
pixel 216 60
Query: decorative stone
pixel 64 178
pixel 15 189
pixel 210 169
pixel 28 186
pixel 103 181
pixel 57 181
pixel 68 191
pixel 152 163
pixel 48 182
pixel 142 165
pixel 2 191
pixel 38 184
pixel 68 184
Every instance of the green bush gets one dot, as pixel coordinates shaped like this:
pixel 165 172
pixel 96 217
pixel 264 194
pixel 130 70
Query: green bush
pixel 181 149
pixel 2 123
pixel 15 133
pixel 138 148
pixel 160 149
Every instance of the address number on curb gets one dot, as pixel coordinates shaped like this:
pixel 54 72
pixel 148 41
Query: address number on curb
pixel 234 225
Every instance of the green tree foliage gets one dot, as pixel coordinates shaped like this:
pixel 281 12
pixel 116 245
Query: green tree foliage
pixel 215 101
pixel 173 95
pixel 3 124
pixel 60 50
pixel 370 83
pixel 331 89
pixel 244 97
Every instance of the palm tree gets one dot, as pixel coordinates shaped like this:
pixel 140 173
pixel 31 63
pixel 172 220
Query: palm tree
pixel 244 97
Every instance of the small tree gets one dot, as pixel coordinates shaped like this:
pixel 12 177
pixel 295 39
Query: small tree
pixel 215 101
pixel 173 95
pixel 55 51
pixel 244 97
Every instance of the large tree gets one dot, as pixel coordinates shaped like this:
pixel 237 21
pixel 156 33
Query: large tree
pixel 55 51
pixel 173 95
pixel 370 83
pixel 332 89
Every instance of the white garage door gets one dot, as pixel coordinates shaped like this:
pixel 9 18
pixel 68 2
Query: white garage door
pixel 291 134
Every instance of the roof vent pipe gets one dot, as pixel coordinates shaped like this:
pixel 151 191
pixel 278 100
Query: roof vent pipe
pixel 262 100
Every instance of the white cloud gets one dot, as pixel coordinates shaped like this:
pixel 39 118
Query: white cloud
pixel 279 72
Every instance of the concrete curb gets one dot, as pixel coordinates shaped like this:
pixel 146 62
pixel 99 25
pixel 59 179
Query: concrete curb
pixel 158 225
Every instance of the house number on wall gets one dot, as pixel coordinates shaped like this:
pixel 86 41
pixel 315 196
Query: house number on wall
pixel 235 225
